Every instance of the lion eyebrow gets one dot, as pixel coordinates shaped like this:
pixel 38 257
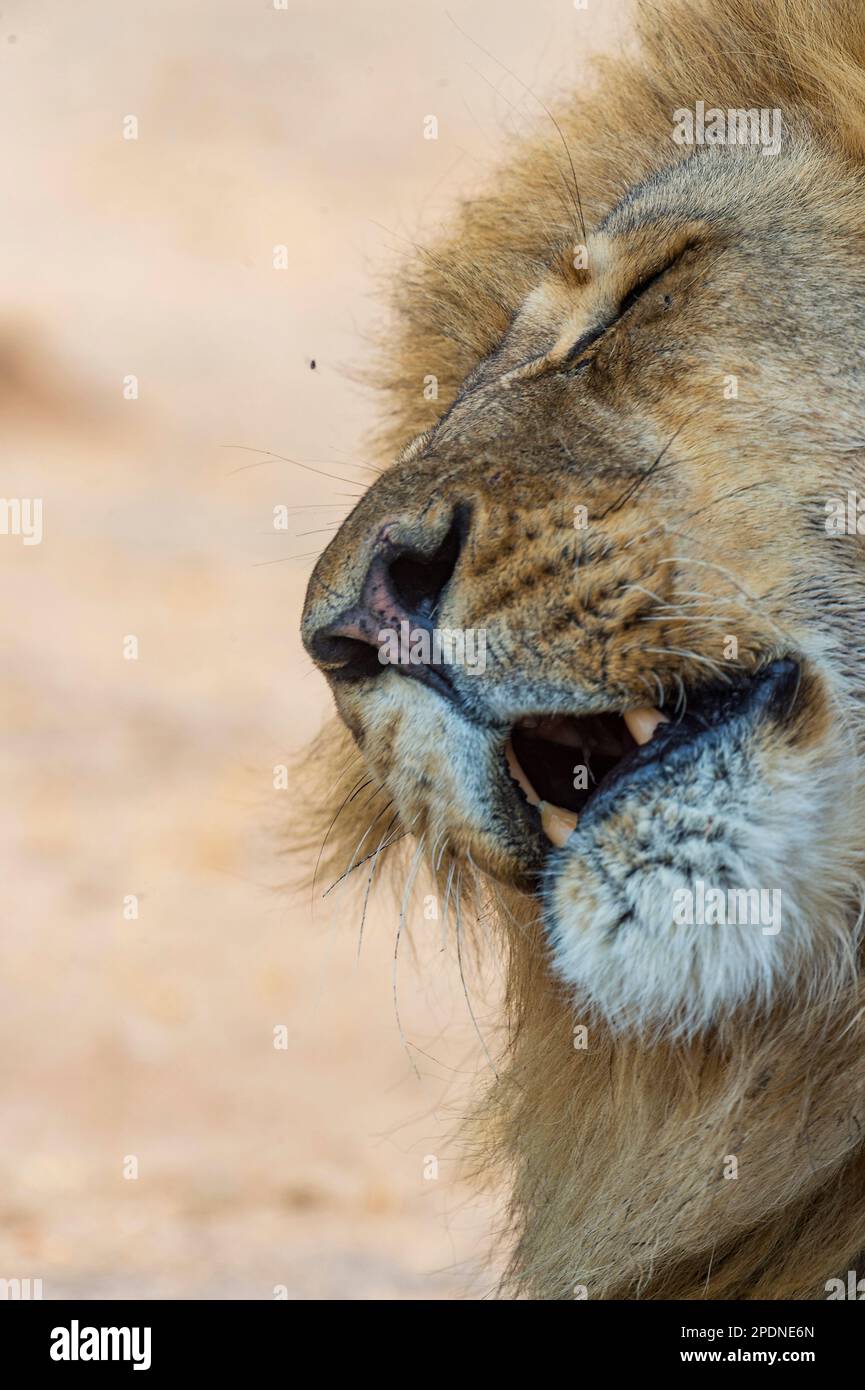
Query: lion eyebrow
pixel 416 446
pixel 562 355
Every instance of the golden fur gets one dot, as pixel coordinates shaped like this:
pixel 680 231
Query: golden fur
pixel 615 1154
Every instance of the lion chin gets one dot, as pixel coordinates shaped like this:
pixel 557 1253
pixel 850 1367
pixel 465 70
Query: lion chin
pixel 694 882
pixel 595 633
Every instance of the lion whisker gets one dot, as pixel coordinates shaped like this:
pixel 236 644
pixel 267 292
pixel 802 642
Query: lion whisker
pixel 458 918
pixel 410 881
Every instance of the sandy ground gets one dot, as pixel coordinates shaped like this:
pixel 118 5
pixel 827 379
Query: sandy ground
pixel 149 1041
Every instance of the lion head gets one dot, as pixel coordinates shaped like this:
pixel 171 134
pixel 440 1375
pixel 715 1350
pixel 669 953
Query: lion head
pixel 595 627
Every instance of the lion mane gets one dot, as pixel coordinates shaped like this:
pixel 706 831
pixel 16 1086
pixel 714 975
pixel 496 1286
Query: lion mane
pixel 614 1155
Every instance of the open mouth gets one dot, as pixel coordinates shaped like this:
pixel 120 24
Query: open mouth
pixel 564 764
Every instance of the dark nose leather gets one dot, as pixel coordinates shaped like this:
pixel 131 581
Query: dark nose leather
pixel 401 586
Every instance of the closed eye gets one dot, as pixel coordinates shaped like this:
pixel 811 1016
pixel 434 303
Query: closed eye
pixel 642 286
pixel 586 341
pixel 628 302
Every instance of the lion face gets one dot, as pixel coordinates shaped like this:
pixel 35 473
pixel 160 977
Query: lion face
pixel 590 632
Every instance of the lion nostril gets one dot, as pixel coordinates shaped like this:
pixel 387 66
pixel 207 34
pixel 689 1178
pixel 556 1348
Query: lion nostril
pixel 418 582
pixel 402 585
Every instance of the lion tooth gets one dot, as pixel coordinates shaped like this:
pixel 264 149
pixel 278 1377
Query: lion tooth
pixel 642 723
pixel 519 776
pixel 558 824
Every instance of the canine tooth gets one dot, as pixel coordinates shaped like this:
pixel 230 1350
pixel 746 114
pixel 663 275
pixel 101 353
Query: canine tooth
pixel 558 824
pixel 519 776
pixel 642 723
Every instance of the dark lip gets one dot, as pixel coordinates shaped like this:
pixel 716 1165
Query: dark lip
pixel 434 675
pixel 771 693
pixel 438 679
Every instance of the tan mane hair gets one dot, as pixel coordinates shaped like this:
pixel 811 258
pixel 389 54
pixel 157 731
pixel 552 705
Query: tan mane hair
pixel 615 1154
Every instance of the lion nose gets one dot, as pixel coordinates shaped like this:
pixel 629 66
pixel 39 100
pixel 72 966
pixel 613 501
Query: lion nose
pixel 401 585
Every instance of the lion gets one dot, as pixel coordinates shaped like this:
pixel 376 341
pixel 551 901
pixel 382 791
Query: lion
pixel 594 636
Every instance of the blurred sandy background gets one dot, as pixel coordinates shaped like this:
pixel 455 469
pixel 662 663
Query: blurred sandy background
pixel 153 258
